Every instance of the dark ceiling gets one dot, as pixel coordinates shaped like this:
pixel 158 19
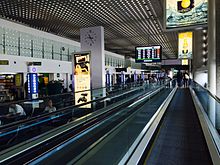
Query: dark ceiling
pixel 127 23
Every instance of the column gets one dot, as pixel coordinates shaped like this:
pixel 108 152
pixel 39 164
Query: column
pixel 199 70
pixel 217 3
pixel 217 11
pixel 92 39
pixel 212 46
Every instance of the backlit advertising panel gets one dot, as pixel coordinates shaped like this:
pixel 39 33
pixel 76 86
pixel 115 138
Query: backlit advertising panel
pixel 184 13
pixel 185 62
pixel 32 80
pixel 185 45
pixel 82 78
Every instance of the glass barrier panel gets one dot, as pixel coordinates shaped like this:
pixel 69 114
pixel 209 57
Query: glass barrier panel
pixel 38 121
pixel 120 130
pixel 210 105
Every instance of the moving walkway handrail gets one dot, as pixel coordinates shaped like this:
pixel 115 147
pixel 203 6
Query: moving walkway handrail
pixel 135 105
pixel 211 134
pixel 23 125
pixel 66 93
pixel 135 152
pixel 59 110
pixel 58 115
pixel 7 154
pixel 205 89
pixel 46 115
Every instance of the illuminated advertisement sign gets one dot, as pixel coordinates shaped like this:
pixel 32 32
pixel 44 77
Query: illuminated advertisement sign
pixel 185 62
pixel 182 13
pixel 32 79
pixel 148 54
pixel 82 78
pixel 18 80
pixel 29 85
pixel 185 45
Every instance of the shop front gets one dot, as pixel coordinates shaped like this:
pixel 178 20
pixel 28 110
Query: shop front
pixel 11 86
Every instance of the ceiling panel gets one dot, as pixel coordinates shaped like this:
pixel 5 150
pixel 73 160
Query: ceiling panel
pixel 127 23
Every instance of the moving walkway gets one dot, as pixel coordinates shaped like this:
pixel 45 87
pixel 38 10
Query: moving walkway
pixel 40 127
pixel 129 133
pixel 183 133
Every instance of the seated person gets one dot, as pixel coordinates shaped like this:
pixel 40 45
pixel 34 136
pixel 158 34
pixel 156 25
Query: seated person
pixel 15 109
pixel 50 108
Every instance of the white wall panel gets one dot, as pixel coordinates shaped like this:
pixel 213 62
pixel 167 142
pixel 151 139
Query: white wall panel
pixel 19 64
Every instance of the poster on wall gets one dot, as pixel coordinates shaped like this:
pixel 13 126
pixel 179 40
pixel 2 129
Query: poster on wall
pixel 82 78
pixel 184 13
pixel 185 45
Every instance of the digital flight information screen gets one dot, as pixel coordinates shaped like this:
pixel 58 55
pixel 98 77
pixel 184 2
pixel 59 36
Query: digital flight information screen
pixel 148 54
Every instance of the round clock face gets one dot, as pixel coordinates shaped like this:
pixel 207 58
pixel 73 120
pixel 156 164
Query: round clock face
pixel 90 37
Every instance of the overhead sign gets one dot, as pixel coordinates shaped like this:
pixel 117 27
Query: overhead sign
pixel 82 78
pixel 4 62
pixel 148 54
pixel 35 63
pixel 183 13
pixel 121 69
pixel 185 45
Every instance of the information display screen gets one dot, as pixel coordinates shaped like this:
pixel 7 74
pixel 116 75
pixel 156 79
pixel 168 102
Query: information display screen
pixel 148 54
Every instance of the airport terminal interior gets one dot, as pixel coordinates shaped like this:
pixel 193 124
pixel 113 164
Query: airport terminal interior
pixel 105 82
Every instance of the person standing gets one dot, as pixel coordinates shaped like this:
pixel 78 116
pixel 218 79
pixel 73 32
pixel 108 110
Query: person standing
pixel 185 80
pixel 179 79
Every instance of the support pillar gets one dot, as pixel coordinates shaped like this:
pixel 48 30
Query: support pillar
pixel 212 46
pixel 92 39
pixel 217 11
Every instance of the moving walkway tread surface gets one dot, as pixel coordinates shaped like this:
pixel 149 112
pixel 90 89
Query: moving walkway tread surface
pixel 180 139
pixel 112 150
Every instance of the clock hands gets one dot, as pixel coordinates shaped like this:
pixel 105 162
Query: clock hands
pixel 91 38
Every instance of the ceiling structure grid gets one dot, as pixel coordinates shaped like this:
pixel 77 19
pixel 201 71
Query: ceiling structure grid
pixel 127 23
